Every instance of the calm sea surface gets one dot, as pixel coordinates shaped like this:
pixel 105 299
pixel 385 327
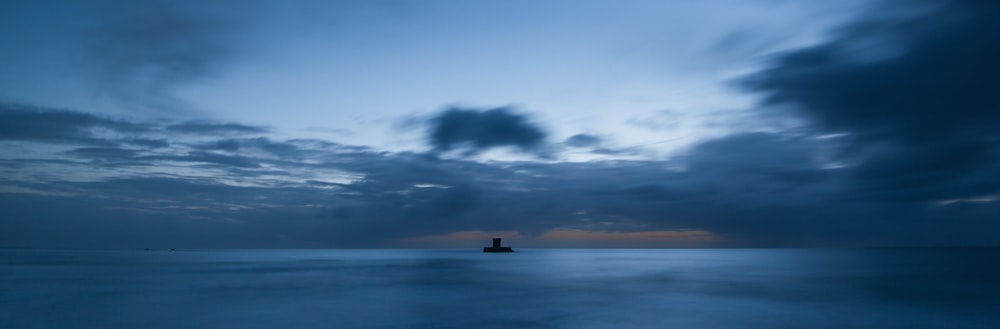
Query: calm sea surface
pixel 533 288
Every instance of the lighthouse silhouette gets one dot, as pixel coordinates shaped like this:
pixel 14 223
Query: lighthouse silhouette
pixel 496 247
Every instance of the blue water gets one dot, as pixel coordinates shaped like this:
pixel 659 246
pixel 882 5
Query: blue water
pixel 541 288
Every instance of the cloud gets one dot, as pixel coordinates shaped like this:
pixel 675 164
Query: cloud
pixel 27 123
pixel 914 95
pixel 583 140
pixel 133 146
pixel 146 142
pixel 476 130
pixel 20 122
pixel 142 51
pixel 104 153
pixel 203 190
pixel 667 237
pixel 210 158
pixel 756 152
pixel 216 129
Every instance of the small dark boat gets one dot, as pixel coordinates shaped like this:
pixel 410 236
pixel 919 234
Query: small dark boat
pixel 496 247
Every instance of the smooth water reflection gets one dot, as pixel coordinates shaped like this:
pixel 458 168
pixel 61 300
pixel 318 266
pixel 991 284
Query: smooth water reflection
pixel 544 288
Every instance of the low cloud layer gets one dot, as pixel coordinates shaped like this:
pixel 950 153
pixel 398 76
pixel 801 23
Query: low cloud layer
pixel 99 188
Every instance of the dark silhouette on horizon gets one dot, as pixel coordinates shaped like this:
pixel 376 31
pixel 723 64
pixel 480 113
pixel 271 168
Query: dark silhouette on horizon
pixel 496 247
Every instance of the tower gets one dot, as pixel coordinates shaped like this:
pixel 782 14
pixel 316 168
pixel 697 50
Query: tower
pixel 496 247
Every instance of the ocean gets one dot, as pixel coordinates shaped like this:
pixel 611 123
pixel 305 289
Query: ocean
pixel 531 288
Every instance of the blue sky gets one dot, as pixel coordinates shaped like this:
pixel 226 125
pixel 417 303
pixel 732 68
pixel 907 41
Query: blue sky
pixel 352 71
pixel 561 123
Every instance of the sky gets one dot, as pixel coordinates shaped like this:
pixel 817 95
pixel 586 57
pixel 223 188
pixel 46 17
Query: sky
pixel 442 124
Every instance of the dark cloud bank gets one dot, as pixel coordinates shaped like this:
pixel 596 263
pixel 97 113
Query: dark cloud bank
pixel 901 149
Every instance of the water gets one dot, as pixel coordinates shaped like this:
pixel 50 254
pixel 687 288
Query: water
pixel 542 288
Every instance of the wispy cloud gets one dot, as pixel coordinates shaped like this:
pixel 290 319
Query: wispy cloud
pixel 141 52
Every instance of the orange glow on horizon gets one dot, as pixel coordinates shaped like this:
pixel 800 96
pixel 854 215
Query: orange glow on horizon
pixel 560 235
pixel 646 236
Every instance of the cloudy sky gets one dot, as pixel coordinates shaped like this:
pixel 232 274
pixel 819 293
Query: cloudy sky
pixel 367 124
